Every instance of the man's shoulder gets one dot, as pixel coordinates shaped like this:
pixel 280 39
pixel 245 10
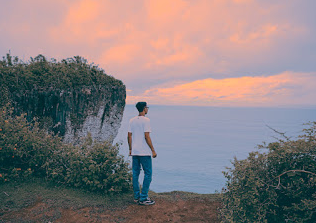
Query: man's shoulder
pixel 141 118
pixel 132 119
pixel 145 120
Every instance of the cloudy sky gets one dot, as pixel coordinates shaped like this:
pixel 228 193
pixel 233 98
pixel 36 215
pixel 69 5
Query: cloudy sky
pixel 178 52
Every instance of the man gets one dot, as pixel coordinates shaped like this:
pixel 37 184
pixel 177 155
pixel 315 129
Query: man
pixel 141 149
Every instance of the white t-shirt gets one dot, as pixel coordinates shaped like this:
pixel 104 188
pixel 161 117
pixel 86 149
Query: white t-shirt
pixel 138 126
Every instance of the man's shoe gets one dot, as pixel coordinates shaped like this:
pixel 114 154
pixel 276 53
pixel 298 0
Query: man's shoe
pixel 136 201
pixel 146 202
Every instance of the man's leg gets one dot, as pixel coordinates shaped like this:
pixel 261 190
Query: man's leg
pixel 147 167
pixel 136 171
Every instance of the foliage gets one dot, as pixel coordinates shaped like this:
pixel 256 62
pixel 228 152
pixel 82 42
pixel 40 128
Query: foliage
pixel 274 186
pixel 95 166
pixel 27 150
pixel 24 147
pixel 39 73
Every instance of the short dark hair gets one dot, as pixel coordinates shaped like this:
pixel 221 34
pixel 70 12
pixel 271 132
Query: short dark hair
pixel 140 106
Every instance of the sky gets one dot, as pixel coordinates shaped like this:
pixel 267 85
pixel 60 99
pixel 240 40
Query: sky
pixel 249 53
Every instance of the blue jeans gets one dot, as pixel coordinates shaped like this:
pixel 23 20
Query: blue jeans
pixel 145 162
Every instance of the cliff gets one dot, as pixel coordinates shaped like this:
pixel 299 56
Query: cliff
pixel 69 98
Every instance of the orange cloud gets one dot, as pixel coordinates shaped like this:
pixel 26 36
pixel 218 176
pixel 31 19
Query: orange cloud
pixel 286 89
pixel 242 1
pixel 120 54
pixel 264 33
pixel 162 12
pixel 133 39
pixel 85 11
pixel 158 41
pixel 82 24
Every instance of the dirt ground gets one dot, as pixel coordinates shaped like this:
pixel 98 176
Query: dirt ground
pixel 165 210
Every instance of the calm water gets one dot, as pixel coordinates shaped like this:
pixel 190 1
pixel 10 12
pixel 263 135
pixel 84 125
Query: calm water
pixel 195 144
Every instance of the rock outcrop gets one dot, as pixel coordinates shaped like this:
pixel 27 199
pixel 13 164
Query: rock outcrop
pixel 73 113
pixel 69 98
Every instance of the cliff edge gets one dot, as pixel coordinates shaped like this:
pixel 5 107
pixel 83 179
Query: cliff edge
pixel 69 98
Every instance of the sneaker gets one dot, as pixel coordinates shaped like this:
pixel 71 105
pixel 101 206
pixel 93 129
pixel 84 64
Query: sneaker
pixel 146 202
pixel 136 201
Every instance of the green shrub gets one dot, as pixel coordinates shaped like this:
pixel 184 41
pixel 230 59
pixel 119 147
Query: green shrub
pixel 274 186
pixel 27 150
pixel 24 147
pixel 94 166
pixel 17 76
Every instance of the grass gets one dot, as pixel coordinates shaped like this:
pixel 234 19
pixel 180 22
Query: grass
pixel 18 196
pixel 175 195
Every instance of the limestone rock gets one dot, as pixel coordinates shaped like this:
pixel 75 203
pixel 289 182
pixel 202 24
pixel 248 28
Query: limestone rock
pixel 73 113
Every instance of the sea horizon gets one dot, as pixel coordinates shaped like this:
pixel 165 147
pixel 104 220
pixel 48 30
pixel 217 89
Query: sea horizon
pixel 214 106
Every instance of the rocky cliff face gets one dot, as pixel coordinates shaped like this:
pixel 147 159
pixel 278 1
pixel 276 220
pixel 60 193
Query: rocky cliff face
pixel 73 113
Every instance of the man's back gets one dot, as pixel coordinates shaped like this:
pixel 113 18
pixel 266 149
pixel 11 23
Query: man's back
pixel 138 126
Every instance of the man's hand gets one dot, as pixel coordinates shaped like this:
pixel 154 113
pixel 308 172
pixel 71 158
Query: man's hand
pixel 150 144
pixel 154 154
pixel 129 139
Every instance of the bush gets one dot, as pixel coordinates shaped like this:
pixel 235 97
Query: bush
pixel 274 186
pixel 17 76
pixel 24 147
pixel 94 166
pixel 26 151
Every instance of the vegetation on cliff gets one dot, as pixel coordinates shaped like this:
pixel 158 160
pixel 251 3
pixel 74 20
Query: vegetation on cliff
pixel 39 73
pixel 274 186
pixel 28 151
pixel 61 95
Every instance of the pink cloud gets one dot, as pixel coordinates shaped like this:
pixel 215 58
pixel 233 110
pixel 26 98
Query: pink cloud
pixel 120 54
pixel 185 36
pixel 162 41
pixel 285 89
pixel 262 34
pixel 83 12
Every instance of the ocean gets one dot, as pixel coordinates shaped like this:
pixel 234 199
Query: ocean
pixel 195 144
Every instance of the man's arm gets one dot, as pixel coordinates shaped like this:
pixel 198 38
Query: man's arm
pixel 150 144
pixel 129 139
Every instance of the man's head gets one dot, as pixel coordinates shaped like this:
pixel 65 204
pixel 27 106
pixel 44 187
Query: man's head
pixel 142 107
